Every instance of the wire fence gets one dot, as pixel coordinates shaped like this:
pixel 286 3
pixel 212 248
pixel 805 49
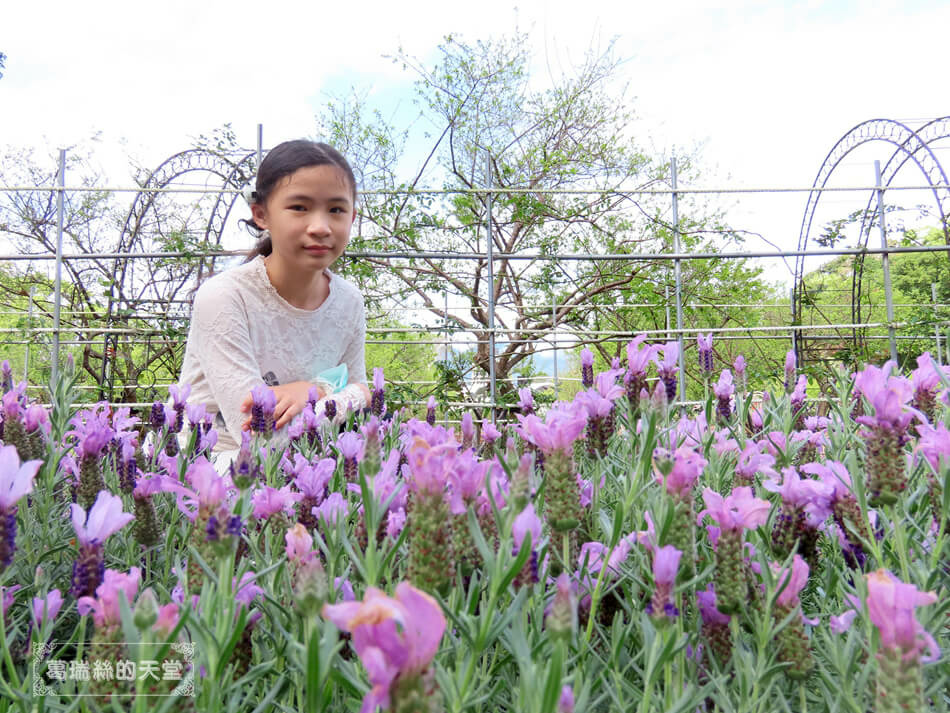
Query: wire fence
pixel 477 334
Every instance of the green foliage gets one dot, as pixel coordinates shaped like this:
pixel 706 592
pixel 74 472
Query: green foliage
pixel 561 158
pixel 829 292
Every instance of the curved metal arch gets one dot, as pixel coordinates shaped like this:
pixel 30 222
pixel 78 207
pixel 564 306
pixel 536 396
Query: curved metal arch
pixel 865 132
pixel 172 168
pixel 932 131
pixel 238 178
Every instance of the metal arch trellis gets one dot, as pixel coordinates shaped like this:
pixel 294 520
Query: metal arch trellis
pixel 232 175
pixel 909 145
pixel 929 133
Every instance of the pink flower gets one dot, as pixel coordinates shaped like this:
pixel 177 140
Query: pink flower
pixel 789 587
pixel 490 434
pixel 752 461
pixel 104 607
pixel 812 495
pixel 269 501
pixel 351 446
pixel 562 426
pixel 312 479
pixel 666 562
pixel 299 542
pixel 104 518
pixel 739 366
pixel 708 610
pixel 167 619
pixel 934 444
pixel 638 357
pixel 738 511
pixel 468 427
pixel 891 605
pixel 46 607
pixel 331 509
pixel 525 400
pixel 245 590
pixel 526 524
pixel 687 466
pixel 394 637
pixel 6 597
pixel 16 479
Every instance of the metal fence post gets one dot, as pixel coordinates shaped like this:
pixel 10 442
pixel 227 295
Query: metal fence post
pixel 260 146
pixel 58 280
pixel 29 338
pixel 677 275
pixel 666 292
pixel 794 340
pixel 933 295
pixel 888 296
pixel 491 283
pixel 554 344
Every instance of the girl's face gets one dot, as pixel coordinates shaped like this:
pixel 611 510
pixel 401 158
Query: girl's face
pixel 309 215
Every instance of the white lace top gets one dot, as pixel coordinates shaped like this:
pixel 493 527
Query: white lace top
pixel 243 333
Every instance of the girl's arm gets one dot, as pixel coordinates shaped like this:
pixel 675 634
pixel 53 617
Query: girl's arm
pixel 221 339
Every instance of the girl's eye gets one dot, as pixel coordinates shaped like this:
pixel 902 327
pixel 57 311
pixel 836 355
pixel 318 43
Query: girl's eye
pixel 298 207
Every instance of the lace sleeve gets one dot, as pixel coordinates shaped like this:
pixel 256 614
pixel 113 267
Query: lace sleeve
pixel 355 354
pixel 224 351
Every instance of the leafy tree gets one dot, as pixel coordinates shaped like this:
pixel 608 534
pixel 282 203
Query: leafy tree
pixel 566 168
pixel 150 295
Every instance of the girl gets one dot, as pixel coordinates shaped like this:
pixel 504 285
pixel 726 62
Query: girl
pixel 282 318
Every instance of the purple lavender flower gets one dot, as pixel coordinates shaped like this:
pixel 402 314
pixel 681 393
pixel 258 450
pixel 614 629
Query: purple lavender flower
pixel 378 401
pixel 565 703
pixel 724 389
pixel 46 608
pixel 263 403
pixel 104 518
pixel 791 368
pixel 351 447
pixel 16 480
pixel 468 430
pixel 793 643
pixel 396 639
pixel 752 461
pixel 269 501
pixel 526 530
pixel 704 343
pixel 587 368
pixel 331 509
pixel 430 411
pixel 6 376
pixel 735 513
pixel 666 562
pixel 667 368
pixel 635 379
pixel 806 504
pixel 739 367
pixel 886 432
pixel 715 625
pixel 179 396
pixel 526 401
pixel 490 433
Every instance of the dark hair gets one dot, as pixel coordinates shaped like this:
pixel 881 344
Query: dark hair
pixel 283 160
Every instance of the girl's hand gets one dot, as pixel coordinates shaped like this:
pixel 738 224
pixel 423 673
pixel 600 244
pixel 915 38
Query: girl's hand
pixel 291 398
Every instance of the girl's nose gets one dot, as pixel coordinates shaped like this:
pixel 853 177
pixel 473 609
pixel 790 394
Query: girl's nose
pixel 319 225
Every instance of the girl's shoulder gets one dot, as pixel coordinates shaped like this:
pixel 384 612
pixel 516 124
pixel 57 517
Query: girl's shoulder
pixel 231 286
pixel 346 290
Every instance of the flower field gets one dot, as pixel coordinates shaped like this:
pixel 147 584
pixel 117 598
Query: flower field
pixel 764 552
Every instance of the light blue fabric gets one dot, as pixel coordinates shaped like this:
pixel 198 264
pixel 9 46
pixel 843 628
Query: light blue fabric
pixel 334 378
